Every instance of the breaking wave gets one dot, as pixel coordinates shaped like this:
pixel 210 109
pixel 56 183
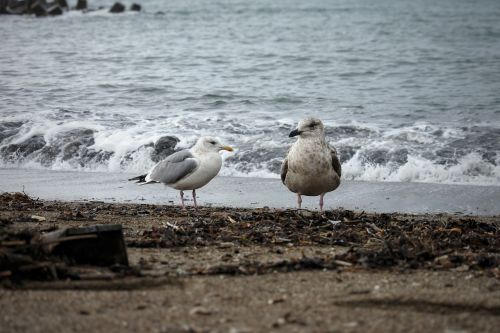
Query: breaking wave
pixel 420 153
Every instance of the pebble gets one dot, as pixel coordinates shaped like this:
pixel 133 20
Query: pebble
pixel 198 310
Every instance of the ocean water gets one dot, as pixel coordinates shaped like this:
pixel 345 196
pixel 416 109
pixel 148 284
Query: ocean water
pixel 408 90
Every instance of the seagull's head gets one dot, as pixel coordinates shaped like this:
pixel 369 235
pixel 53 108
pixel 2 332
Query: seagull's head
pixel 309 127
pixel 210 144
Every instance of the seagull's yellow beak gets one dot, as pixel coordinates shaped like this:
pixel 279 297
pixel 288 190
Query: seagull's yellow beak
pixel 227 148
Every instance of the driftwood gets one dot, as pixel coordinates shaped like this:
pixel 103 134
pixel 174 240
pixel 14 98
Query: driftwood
pixel 51 256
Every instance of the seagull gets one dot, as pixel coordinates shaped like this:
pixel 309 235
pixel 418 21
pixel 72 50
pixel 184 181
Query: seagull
pixel 188 169
pixel 311 167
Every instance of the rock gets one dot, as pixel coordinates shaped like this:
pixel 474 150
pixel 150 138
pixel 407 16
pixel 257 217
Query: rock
pixel 23 149
pixel 118 7
pixel 164 147
pixel 63 4
pixel 37 7
pixel 444 261
pixel 44 8
pixel 72 145
pixel 81 5
pixel 17 7
pixel 9 128
pixel 76 138
pixel 276 300
pixel 198 310
pixel 135 7
pixel 3 6
pixel 54 9
pixel 38 218
pixel 47 155
pixel 226 245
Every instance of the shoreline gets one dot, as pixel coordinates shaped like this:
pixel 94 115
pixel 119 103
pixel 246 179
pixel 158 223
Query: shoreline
pixel 240 192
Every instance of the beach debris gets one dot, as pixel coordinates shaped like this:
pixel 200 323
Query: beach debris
pixel 276 300
pixel 38 218
pixel 368 240
pixel 362 241
pixel 30 255
pixel 288 318
pixel 101 245
pixel 199 310
pixel 225 245
pixel 444 261
pixel 18 200
pixel 334 223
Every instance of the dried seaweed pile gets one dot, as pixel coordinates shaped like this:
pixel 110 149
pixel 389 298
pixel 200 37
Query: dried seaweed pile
pixel 18 200
pixel 374 240
pixel 399 241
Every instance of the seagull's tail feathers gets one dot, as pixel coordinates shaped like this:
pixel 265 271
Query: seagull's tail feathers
pixel 140 179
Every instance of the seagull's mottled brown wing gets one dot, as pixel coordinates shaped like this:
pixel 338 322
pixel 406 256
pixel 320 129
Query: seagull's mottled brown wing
pixel 284 170
pixel 335 161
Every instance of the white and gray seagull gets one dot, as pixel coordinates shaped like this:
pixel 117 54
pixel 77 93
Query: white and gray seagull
pixel 311 167
pixel 188 169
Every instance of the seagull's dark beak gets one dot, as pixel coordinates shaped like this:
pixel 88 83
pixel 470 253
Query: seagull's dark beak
pixel 295 132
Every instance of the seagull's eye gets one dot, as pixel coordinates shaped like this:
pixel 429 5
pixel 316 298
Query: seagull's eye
pixel 212 142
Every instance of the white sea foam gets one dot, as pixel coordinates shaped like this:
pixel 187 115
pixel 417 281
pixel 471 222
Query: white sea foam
pixel 398 151
pixel 470 169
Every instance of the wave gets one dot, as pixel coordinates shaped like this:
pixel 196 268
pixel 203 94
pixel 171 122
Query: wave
pixel 419 153
pixel 469 169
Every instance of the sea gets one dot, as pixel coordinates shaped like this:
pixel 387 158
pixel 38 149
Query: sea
pixel 409 90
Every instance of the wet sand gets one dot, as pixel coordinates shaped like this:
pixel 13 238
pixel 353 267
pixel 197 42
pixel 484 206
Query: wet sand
pixel 256 192
pixel 265 269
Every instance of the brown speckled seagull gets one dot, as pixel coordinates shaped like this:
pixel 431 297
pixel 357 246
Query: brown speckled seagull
pixel 311 167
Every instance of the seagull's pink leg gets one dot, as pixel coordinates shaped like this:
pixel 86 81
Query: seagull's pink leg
pixel 194 198
pixel 321 202
pixel 182 200
pixel 299 200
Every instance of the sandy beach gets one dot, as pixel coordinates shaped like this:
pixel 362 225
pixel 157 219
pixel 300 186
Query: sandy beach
pixel 230 269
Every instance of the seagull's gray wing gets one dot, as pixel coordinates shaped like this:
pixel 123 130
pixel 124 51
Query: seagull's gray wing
pixel 174 167
pixel 284 170
pixel 335 161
